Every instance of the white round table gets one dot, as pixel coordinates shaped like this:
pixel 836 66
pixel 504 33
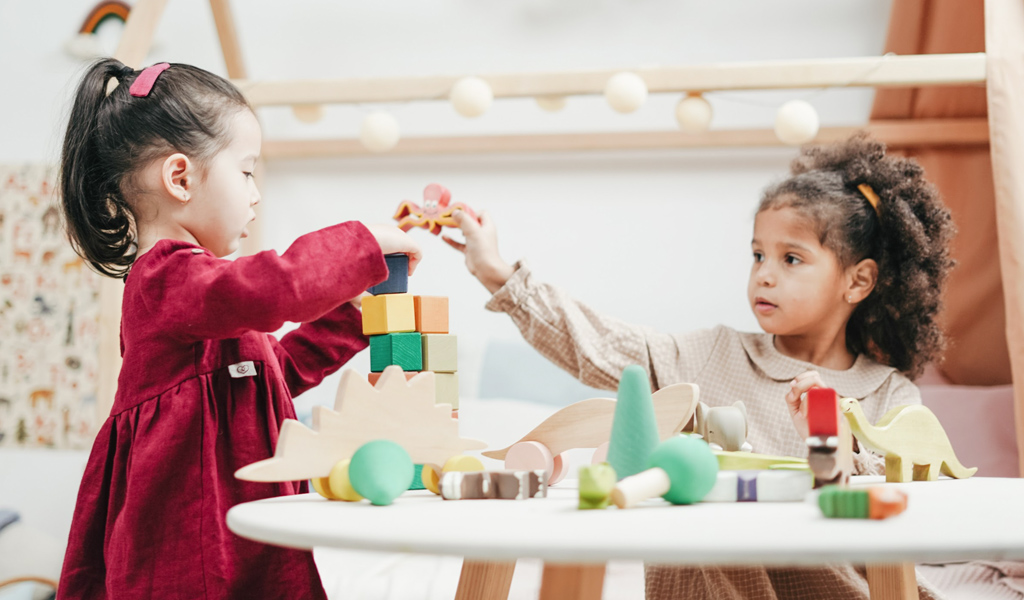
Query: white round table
pixel 946 520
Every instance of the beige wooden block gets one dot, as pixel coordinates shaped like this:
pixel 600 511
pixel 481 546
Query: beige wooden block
pixel 446 386
pixel 440 353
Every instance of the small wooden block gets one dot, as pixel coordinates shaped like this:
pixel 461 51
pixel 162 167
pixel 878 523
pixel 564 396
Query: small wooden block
pixel 398 276
pixel 440 353
pixel 446 387
pixel 431 314
pixel 761 486
pixel 596 485
pixel 497 485
pixel 373 378
pixel 402 349
pixel 822 412
pixel 388 313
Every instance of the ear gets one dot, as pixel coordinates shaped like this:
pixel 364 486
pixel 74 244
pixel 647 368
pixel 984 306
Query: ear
pixel 177 174
pixel 861 280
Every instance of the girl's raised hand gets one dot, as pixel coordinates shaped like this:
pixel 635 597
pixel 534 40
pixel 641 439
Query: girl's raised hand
pixel 481 250
pixel 393 240
pixel 796 399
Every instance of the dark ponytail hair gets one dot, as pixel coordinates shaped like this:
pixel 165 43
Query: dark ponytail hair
pixel 110 137
pixel 908 238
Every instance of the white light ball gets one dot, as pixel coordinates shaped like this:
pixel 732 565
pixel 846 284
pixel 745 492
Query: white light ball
pixel 796 122
pixel 625 92
pixel 308 113
pixel 551 103
pixel 693 113
pixel 379 132
pixel 471 96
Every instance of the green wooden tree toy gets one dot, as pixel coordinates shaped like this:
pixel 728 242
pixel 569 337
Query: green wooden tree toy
pixel 634 427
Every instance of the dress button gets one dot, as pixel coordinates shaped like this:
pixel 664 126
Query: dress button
pixel 197 251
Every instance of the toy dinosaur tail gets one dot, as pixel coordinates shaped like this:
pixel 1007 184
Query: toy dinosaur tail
pixel 953 468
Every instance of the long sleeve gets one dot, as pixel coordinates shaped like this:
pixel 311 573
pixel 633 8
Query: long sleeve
pixel 319 348
pixel 592 347
pixel 203 297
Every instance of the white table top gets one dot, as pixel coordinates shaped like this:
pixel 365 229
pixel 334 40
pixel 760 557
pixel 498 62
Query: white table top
pixel 946 520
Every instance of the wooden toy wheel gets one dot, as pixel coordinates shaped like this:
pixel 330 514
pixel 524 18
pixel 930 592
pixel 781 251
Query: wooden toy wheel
pixel 431 477
pixel 559 470
pixel 336 486
pixel 530 456
pixel 600 455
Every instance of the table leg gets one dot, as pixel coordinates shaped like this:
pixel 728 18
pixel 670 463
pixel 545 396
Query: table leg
pixel 892 582
pixel 572 582
pixel 485 580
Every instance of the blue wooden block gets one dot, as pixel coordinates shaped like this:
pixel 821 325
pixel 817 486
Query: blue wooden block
pixel 398 276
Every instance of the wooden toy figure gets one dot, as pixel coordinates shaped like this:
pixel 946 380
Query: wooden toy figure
pixel 878 502
pixel 596 483
pixel 829 441
pixel 682 470
pixel 435 212
pixel 723 427
pixel 493 485
pixel 910 438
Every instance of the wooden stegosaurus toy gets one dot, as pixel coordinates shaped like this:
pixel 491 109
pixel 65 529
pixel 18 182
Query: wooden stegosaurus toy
pixel 394 409
pixel 911 439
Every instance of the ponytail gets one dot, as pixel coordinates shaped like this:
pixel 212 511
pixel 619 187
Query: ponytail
pixel 100 223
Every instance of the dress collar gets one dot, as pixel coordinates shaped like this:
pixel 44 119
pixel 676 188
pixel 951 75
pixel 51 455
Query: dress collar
pixel 859 381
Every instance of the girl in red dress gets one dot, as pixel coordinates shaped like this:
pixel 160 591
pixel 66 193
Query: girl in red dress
pixel 156 179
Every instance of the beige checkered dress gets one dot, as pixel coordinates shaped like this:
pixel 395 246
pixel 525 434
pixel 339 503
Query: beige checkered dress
pixel 728 366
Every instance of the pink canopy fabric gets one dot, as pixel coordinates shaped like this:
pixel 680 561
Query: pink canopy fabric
pixel 984 302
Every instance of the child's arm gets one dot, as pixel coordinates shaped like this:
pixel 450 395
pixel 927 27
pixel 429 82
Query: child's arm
pixel 592 347
pixel 319 348
pixel 202 297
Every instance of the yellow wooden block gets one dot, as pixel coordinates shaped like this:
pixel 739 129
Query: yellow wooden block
pixel 446 388
pixel 440 352
pixel 388 313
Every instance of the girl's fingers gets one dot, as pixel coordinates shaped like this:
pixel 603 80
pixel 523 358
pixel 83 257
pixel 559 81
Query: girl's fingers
pixel 454 244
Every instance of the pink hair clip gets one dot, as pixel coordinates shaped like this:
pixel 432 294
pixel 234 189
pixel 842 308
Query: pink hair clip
pixel 143 84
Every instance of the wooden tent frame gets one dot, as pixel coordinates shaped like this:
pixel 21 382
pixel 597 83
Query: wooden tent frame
pixel 482 579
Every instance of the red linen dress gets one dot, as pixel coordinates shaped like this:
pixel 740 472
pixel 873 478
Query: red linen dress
pixel 202 392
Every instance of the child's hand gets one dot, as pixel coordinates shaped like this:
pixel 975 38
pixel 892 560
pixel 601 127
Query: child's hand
pixel 393 240
pixel 796 400
pixel 481 250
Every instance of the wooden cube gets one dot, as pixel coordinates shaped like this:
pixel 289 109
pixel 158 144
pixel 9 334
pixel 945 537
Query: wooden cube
pixel 388 313
pixel 431 314
pixel 374 377
pixel 402 349
pixel 398 276
pixel 440 353
pixel 446 389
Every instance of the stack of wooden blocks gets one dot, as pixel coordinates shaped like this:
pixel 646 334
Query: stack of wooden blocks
pixel 411 332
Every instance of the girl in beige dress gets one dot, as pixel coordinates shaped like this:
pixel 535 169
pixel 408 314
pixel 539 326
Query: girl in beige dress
pixel 849 256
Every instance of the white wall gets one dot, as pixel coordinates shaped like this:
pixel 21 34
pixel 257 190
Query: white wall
pixel 658 238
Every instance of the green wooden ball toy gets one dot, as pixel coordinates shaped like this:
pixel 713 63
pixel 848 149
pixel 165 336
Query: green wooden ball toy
pixel 380 471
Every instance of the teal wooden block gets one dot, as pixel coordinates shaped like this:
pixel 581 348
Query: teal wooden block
pixel 634 427
pixel 440 353
pixel 402 349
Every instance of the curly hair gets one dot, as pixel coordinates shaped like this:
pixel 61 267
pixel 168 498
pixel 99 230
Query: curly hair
pixel 908 238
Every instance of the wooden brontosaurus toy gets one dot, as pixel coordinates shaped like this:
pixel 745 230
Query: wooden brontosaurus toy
pixel 910 438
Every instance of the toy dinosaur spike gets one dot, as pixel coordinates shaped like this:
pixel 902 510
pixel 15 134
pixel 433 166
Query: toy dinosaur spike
pixel 912 440
pixel 397 410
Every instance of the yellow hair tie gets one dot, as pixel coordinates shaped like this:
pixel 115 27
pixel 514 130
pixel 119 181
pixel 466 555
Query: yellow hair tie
pixel 871 196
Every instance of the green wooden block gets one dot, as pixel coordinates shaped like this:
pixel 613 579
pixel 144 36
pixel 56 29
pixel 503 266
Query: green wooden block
pixel 596 483
pixel 440 353
pixel 840 503
pixel 402 349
